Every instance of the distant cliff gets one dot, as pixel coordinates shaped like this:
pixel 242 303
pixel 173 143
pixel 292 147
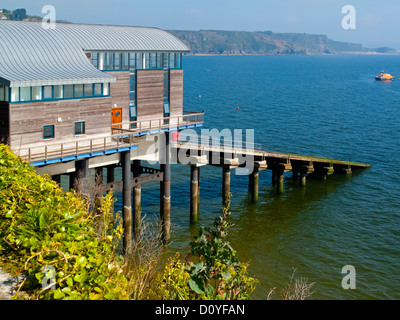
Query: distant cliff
pixel 267 43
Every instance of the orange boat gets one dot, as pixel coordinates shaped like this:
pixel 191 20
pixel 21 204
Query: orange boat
pixel 384 77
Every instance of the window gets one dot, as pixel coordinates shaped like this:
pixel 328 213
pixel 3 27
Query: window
pixel 102 61
pixel 95 59
pixel 69 91
pixel 47 92
pixel 117 61
pixel 153 60
pixel 125 61
pixel 25 94
pixel 14 94
pixel 2 93
pixel 78 92
pixel 139 60
pixel 172 60
pixel 36 93
pixel 106 89
pixel 166 109
pixel 88 90
pixel 109 61
pixel 79 128
pixel 97 89
pixel 58 92
pixel 165 60
pixel 48 132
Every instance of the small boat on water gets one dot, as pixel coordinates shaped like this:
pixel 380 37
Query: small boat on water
pixel 384 77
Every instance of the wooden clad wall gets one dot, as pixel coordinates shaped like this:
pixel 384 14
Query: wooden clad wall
pixel 120 92
pixel 176 92
pixel 150 92
pixel 27 120
pixel 4 122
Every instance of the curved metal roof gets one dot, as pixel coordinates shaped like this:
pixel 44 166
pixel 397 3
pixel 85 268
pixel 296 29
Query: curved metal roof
pixel 32 56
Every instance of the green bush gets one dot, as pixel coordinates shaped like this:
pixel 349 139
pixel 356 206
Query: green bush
pixel 40 225
pixel 212 271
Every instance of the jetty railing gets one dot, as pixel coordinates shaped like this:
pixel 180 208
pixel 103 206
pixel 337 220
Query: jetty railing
pixel 122 136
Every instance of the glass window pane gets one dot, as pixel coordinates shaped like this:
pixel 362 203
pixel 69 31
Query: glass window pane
pixel 25 93
pixel 7 94
pixel 58 92
pixel 47 92
pixel 166 107
pixel 146 60
pixel 97 89
pixel 139 61
pixel 48 132
pixel 14 94
pixel 125 60
pixel 79 127
pixel 36 93
pixel 102 60
pixel 109 61
pixel 153 60
pixel 69 91
pixel 95 55
pixel 117 61
pixel 88 90
pixel 172 60
pixel 165 60
pixel 2 93
pixel 106 89
pixel 78 91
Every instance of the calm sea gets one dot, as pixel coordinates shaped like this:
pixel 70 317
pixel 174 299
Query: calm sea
pixel 329 106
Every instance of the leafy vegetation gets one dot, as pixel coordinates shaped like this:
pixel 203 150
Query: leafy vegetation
pixel 69 251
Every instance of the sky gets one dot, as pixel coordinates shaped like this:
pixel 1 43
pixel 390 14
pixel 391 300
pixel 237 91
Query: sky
pixel 377 22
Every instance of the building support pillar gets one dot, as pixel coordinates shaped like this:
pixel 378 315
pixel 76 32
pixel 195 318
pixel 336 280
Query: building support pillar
pixel 226 185
pixel 80 180
pixel 279 182
pixel 126 199
pixel 253 185
pixel 165 191
pixel 194 193
pixel 137 200
pixel 303 179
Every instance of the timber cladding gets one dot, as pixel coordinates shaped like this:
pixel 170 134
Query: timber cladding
pixel 27 120
pixel 176 92
pixel 120 92
pixel 150 94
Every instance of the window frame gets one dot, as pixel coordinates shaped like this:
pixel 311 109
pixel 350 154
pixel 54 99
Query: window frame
pixel 83 128
pixel 52 126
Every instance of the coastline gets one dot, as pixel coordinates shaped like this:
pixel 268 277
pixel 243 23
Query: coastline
pixel 312 54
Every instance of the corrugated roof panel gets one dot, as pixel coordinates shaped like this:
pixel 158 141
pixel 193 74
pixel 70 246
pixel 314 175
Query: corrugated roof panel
pixel 31 55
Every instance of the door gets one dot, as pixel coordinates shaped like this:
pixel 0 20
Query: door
pixel 116 118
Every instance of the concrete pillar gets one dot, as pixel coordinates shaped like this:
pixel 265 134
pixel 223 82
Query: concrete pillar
pixel 137 200
pixel 274 176
pixel 194 193
pixel 226 185
pixel 126 199
pixel 279 184
pixel 110 174
pixel 81 183
pixel 165 191
pixel 253 185
pixel 303 178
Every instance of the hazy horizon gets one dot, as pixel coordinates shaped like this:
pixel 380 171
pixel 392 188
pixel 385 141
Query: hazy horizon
pixel 376 22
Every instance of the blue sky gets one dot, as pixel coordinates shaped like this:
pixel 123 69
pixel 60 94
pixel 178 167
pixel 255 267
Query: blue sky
pixel 377 21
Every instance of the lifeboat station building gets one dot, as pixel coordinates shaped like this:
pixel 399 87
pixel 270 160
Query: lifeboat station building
pixel 86 96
